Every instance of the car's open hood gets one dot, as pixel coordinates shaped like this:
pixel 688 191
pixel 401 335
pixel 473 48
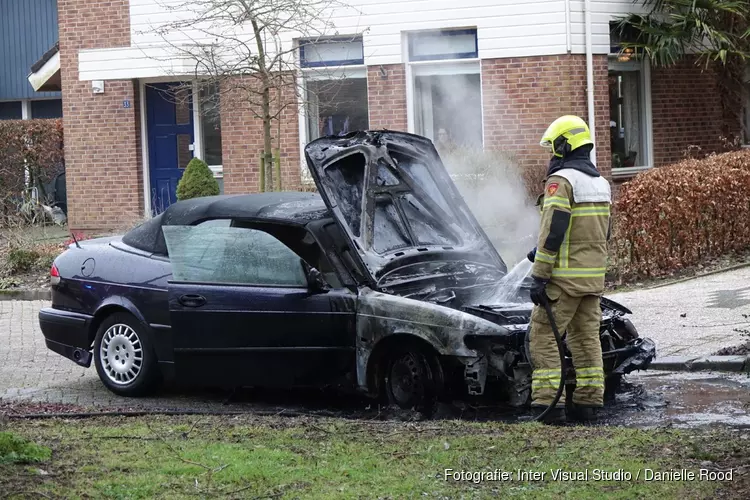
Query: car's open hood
pixel 393 198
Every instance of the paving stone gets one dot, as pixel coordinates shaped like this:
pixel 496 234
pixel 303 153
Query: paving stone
pixel 691 319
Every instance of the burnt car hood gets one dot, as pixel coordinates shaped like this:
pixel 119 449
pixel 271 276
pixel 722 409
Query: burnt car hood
pixel 395 201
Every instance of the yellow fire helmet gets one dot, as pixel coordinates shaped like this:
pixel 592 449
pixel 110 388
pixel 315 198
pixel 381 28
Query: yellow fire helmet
pixel 566 134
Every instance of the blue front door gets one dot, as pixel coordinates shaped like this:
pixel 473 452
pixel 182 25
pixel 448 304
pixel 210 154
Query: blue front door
pixel 170 139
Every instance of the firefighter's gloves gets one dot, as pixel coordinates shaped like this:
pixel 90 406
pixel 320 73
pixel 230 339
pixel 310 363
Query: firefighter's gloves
pixel 531 255
pixel 537 291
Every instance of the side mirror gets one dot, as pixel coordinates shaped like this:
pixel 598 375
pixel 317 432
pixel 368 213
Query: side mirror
pixel 315 280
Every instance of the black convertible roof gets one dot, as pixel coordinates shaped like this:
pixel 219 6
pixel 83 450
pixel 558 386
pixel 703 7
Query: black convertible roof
pixel 287 206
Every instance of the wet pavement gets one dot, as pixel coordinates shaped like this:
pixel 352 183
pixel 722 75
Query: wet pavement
pixel 695 317
pixel 682 400
pixel 33 378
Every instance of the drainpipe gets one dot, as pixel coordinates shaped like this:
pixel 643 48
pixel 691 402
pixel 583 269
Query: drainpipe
pixel 590 76
pixel 569 43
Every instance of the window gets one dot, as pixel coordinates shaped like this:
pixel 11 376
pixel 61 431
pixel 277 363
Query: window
pixel 214 253
pixel 51 108
pixel 10 110
pixel 210 130
pixel 629 102
pixel 336 86
pixel 626 121
pixel 336 107
pixel 211 125
pixel 443 44
pixel 339 51
pixel 447 93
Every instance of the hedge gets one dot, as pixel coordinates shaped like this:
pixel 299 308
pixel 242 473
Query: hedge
pixel 678 216
pixel 33 144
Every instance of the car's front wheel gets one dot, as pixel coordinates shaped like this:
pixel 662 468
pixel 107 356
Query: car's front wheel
pixel 123 356
pixel 411 380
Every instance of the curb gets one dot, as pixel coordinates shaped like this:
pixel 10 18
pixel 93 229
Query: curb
pixel 702 275
pixel 702 363
pixel 25 295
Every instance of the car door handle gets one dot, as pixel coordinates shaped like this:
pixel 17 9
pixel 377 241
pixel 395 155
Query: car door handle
pixel 191 300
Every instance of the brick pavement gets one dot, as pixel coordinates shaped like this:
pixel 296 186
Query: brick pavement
pixel 31 373
pixel 694 317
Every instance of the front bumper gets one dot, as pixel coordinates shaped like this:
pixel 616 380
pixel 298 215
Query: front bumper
pixel 67 333
pixel 637 355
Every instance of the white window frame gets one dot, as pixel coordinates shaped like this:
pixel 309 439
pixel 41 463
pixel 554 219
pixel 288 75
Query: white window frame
pixel 200 151
pixel 320 72
pixel 647 134
pixel 469 65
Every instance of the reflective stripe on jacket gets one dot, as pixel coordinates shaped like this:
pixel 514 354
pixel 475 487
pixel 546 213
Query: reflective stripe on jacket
pixel 572 246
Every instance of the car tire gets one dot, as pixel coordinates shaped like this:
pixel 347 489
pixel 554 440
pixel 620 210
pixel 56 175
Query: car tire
pixel 124 357
pixel 411 381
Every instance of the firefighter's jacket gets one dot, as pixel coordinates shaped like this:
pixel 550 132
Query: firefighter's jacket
pixel 572 247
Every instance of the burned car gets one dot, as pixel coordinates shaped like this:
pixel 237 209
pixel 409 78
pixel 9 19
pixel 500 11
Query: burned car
pixel 383 282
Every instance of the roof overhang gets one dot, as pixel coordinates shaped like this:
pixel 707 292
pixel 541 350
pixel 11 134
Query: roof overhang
pixel 45 73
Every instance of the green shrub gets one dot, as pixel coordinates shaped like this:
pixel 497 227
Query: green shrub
pixel 21 260
pixel 197 181
pixel 681 215
pixel 14 449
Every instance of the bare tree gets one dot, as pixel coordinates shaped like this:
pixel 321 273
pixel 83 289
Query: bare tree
pixel 247 50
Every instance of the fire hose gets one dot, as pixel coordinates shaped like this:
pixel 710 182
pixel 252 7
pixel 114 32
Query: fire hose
pixel 561 350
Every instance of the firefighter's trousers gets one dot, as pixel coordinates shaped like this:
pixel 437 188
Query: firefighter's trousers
pixel 581 317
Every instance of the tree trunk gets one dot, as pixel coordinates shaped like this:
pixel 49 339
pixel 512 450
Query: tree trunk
pixel 265 81
pixel 267 144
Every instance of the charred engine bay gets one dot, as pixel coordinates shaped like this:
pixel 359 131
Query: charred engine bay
pixel 473 288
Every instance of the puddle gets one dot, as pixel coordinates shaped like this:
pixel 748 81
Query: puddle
pixel 681 400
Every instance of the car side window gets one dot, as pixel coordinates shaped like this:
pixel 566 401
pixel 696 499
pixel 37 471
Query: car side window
pixel 215 223
pixel 231 255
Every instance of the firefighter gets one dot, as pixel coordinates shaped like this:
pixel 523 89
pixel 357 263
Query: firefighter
pixel 570 261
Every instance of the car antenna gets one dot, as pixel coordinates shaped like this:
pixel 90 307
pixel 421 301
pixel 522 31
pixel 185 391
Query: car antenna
pixel 75 239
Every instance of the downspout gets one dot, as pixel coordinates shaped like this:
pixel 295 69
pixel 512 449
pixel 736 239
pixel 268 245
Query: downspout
pixel 590 76
pixel 568 42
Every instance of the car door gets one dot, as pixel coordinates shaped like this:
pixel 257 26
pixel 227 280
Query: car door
pixel 242 312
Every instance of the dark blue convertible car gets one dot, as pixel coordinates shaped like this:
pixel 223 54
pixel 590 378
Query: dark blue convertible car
pixel 378 283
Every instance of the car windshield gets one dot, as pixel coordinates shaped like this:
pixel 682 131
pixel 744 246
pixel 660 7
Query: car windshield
pixel 434 269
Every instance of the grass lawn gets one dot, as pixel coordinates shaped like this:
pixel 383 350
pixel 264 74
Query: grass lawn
pixel 284 457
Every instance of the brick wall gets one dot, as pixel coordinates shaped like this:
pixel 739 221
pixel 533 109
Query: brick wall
pixel 242 139
pixel 102 138
pixel 386 97
pixel 686 108
pixel 522 96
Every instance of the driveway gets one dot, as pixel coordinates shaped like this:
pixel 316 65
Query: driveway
pixel 694 317
pixel 29 372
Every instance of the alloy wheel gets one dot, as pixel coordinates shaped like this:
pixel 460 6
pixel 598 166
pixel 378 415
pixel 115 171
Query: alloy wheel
pixel 121 354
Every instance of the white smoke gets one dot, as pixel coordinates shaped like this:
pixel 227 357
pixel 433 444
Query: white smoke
pixel 449 111
pixel 492 186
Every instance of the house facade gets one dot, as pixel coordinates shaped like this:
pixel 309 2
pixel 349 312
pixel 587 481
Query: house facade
pixel 28 30
pixel 481 73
